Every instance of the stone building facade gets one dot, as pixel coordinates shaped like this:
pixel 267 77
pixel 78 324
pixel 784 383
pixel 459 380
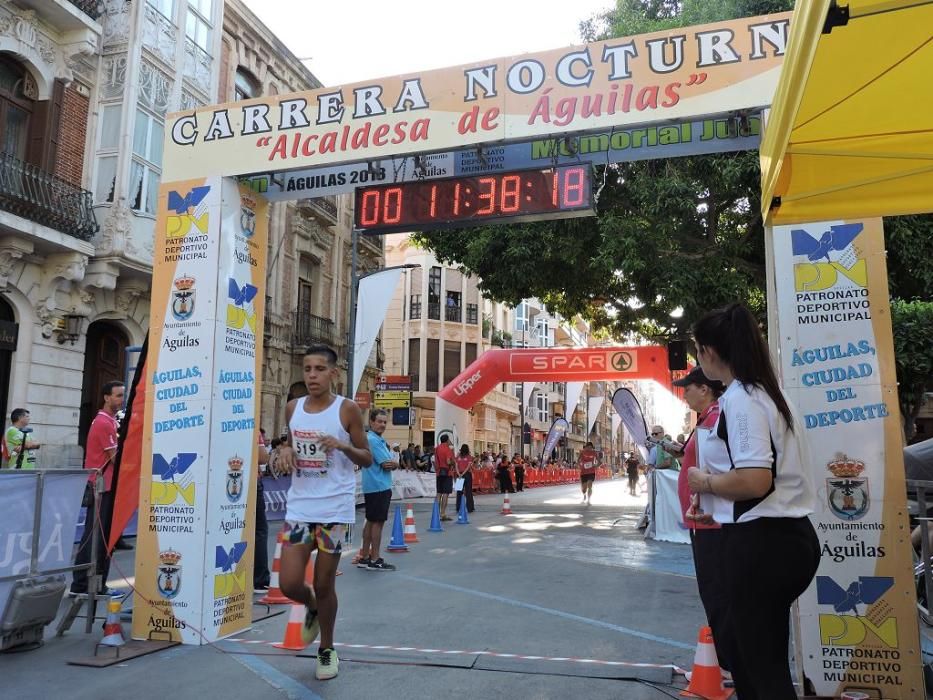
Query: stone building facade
pixel 308 271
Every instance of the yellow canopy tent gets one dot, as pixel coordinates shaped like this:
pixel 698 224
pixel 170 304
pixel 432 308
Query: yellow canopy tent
pixel 850 132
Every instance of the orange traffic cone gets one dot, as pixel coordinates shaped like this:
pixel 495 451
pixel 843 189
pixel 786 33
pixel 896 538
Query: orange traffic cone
pixel 292 641
pixel 113 630
pixel 274 595
pixel 706 680
pixel 506 506
pixel 411 534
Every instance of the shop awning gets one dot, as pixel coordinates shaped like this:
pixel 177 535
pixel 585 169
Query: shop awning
pixel 850 131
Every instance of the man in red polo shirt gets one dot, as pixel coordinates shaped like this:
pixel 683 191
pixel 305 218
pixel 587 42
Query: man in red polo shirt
pixel 100 453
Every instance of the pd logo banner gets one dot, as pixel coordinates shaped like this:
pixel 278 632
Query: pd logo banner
pixel 171 480
pixel 830 258
pixel 227 580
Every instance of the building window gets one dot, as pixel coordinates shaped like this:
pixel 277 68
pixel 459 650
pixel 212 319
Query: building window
pixel 521 317
pixel 453 309
pixel 451 360
pixel 472 314
pixel 110 116
pixel 469 355
pixel 434 293
pixel 432 379
pixel 246 87
pixel 543 407
pixel 307 273
pixel 414 307
pixel 147 162
pixel 15 108
pixel 198 23
pixel 165 7
pixel 542 332
pixel 414 363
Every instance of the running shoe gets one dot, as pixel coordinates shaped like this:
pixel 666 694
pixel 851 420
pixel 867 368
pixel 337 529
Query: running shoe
pixel 327 664
pixel 363 563
pixel 311 626
pixel 380 565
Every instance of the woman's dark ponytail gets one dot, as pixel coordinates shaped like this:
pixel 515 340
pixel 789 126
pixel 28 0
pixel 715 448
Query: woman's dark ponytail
pixel 734 334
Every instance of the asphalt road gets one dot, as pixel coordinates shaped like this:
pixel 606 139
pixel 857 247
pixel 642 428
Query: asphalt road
pixel 556 581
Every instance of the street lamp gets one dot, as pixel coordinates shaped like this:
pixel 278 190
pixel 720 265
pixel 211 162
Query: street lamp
pixel 355 281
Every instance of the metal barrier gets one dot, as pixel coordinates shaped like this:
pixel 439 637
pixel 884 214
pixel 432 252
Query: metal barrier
pixel 50 535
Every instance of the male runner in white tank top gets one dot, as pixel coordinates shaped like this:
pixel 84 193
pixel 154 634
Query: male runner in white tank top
pixel 325 441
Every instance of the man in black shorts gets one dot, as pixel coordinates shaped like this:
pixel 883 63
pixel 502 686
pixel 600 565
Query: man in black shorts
pixel 377 492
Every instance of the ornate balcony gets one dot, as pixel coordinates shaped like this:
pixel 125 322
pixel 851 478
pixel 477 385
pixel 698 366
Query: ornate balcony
pixel 324 209
pixel 311 329
pixel 89 7
pixel 30 192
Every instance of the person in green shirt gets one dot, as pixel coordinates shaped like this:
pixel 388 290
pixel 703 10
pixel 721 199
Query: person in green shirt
pixel 17 441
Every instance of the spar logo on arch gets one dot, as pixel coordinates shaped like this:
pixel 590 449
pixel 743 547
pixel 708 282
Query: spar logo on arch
pixel 827 259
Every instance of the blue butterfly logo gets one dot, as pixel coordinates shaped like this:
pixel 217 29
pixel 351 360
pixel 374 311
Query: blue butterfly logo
pixel 179 464
pixel 182 205
pixel 837 238
pixel 224 560
pixel 241 295
pixel 866 590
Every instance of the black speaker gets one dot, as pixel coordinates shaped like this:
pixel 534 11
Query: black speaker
pixel 677 355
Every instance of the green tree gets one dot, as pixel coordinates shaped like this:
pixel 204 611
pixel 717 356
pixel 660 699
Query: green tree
pixel 672 238
pixel 913 356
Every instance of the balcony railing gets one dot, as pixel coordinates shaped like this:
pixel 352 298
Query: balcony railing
pixel 472 314
pixel 434 310
pixel 28 191
pixel 310 329
pixel 453 313
pixel 323 208
pixel 88 7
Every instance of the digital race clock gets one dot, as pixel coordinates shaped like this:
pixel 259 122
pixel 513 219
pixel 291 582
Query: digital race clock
pixel 524 195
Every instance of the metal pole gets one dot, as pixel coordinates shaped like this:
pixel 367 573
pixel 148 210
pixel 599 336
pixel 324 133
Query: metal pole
pixel 354 291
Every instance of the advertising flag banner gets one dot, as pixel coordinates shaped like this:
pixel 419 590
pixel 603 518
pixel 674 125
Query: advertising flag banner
pixel 196 508
pixel 376 292
pixel 626 406
pixel 594 406
pixel 672 77
pixel 574 389
pixel 858 620
pixel 559 429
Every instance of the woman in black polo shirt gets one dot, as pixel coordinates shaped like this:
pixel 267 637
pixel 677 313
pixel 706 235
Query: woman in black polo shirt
pixel 757 485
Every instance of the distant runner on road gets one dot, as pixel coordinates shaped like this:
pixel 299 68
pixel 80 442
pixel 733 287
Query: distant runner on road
pixel 587 463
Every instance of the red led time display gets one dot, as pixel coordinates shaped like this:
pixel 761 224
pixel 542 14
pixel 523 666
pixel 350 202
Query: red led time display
pixel 523 195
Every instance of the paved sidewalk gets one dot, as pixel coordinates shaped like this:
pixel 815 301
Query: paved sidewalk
pixel 555 582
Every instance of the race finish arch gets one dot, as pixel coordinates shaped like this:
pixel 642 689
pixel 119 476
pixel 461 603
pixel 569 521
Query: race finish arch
pixel 541 365
pixel 694 90
pixel 686 91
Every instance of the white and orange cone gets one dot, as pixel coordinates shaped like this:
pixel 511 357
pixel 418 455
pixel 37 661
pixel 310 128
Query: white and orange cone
pixel 411 534
pixel 113 630
pixel 706 679
pixel 292 640
pixel 274 595
pixel 506 506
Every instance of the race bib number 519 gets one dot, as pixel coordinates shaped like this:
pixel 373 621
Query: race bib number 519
pixel 309 453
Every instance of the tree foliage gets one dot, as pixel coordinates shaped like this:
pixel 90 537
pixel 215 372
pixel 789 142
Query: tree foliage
pixel 681 235
pixel 671 236
pixel 913 353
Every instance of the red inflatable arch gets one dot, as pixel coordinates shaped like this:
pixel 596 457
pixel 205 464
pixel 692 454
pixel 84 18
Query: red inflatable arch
pixel 555 365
